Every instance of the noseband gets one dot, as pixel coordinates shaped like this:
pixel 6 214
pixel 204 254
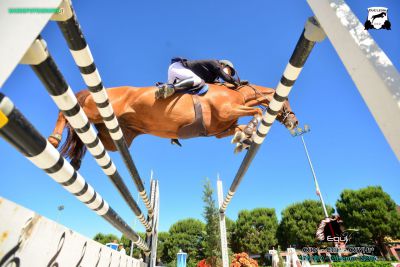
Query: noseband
pixel 285 114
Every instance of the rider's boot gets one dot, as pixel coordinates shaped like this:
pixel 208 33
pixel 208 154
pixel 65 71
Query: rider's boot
pixel 167 90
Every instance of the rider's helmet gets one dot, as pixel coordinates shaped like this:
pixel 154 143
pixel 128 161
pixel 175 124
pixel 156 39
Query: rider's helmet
pixel 228 63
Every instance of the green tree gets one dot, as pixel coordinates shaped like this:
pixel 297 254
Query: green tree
pixel 230 229
pixel 299 223
pixel 212 244
pixel 372 212
pixel 187 235
pixel 255 232
pixel 105 238
pixel 162 253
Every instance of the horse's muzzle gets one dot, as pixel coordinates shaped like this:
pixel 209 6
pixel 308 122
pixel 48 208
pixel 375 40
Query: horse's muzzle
pixel 291 124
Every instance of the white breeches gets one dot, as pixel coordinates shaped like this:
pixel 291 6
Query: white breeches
pixel 177 72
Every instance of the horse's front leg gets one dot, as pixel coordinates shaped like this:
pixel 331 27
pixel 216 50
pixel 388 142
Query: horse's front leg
pixel 241 111
pixel 243 139
pixel 230 131
pixel 56 136
pixel 252 125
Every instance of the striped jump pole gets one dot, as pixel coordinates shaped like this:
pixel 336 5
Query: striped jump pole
pixel 21 134
pixel 222 226
pixel 80 51
pixel 44 66
pixel 151 240
pixel 312 33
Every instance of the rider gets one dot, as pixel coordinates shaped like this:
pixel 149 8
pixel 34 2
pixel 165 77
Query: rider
pixel 186 74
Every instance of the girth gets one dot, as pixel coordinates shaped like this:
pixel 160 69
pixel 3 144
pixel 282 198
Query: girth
pixel 197 127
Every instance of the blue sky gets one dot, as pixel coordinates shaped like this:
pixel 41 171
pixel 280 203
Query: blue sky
pixel 132 43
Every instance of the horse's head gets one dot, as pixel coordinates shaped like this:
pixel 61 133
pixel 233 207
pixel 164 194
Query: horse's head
pixel 287 117
pixel 257 95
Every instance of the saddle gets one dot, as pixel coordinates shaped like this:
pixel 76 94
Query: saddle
pixel 196 91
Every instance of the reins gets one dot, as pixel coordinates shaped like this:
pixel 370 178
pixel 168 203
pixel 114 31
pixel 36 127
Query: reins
pixel 284 113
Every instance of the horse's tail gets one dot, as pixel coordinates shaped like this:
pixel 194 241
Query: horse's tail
pixel 73 148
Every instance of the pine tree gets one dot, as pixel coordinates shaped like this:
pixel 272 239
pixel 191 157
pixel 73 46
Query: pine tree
pixel 212 242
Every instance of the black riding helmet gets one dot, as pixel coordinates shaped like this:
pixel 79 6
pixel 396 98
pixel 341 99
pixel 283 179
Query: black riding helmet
pixel 229 64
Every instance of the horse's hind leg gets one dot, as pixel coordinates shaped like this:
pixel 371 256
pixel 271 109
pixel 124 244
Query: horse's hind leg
pixel 56 136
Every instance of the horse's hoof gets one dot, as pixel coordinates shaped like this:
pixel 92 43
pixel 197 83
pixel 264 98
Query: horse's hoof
pixel 53 141
pixel 239 148
pixel 247 142
pixel 238 137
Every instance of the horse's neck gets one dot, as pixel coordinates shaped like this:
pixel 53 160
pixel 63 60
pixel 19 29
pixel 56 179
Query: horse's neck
pixel 257 93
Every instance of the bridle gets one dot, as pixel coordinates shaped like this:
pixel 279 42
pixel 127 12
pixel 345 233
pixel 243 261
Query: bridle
pixel 283 114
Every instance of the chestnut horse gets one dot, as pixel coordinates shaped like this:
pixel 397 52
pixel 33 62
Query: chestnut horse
pixel 138 112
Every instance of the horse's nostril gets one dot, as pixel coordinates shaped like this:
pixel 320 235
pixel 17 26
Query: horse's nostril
pixel 289 125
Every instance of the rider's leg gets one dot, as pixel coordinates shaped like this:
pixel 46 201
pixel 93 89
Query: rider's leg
pixel 192 82
pixel 186 79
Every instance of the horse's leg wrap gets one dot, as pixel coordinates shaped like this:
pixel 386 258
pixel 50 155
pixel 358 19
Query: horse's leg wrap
pixel 251 126
pixel 238 137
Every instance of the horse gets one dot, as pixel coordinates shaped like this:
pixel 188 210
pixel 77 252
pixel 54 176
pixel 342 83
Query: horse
pixel 139 112
pixel 380 15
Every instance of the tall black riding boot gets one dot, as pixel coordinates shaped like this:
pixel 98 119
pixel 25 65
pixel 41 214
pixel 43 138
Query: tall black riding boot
pixel 166 90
